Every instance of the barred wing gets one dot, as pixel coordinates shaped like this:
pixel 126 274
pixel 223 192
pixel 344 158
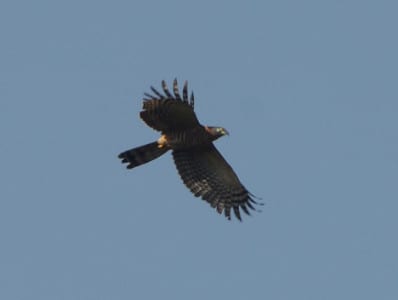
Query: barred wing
pixel 167 112
pixel 208 175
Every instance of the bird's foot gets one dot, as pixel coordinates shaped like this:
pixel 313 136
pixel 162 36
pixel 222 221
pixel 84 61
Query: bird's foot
pixel 162 141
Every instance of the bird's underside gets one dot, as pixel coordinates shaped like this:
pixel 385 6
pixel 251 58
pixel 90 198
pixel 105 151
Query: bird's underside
pixel 201 166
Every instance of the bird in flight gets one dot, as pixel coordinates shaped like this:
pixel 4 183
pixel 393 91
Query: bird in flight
pixel 200 165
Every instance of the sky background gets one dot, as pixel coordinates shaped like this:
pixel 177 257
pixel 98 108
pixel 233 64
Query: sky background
pixel 308 92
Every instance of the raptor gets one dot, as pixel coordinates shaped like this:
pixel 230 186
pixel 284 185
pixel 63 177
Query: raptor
pixel 201 166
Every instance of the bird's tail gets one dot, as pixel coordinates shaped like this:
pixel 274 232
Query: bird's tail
pixel 141 155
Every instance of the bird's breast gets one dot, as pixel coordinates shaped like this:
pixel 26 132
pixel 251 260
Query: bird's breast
pixel 187 138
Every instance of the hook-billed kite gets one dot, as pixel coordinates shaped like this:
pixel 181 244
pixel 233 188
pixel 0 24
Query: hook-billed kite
pixel 201 166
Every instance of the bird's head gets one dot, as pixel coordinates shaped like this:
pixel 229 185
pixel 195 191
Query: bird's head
pixel 216 132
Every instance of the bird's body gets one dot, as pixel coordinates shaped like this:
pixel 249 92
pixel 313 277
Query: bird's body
pixel 202 168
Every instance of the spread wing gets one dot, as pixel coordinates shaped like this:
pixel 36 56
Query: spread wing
pixel 167 112
pixel 208 175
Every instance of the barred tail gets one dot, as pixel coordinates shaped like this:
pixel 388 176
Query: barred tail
pixel 141 155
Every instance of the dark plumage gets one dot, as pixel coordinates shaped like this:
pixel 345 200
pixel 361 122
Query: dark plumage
pixel 201 166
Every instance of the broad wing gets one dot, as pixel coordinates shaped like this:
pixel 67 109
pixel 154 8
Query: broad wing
pixel 167 112
pixel 208 175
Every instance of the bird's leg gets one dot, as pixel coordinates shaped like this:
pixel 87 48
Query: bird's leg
pixel 162 141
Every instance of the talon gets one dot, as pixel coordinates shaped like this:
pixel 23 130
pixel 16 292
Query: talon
pixel 162 141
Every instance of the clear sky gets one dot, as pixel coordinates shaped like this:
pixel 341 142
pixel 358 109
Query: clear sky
pixel 308 92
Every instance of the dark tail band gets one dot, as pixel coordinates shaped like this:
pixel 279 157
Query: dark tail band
pixel 141 155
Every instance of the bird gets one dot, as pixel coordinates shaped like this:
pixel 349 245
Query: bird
pixel 202 168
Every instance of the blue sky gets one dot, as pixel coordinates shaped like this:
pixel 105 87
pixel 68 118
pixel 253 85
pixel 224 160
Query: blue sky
pixel 308 92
